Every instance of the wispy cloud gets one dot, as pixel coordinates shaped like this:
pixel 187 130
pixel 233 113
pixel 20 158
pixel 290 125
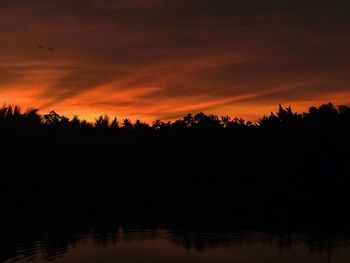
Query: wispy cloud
pixel 163 58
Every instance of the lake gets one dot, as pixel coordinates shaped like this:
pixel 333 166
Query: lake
pixel 161 244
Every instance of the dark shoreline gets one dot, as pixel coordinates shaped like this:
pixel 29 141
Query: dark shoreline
pixel 289 170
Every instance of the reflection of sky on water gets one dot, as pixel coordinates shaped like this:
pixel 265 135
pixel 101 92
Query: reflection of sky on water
pixel 175 246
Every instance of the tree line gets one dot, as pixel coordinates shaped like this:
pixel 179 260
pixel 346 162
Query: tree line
pixel 324 115
pixel 285 167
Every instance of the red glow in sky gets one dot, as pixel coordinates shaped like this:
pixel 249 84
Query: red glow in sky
pixel 165 58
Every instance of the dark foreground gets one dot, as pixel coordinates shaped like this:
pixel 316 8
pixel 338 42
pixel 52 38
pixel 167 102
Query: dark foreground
pixel 289 173
pixel 116 243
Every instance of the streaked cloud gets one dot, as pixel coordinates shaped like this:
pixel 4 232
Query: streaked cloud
pixel 164 58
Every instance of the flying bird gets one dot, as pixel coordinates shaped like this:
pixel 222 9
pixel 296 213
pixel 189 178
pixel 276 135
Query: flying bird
pixel 50 48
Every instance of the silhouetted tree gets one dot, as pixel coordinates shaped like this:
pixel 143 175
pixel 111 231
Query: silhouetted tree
pixel 127 125
pixel 285 117
pixel 161 125
pixel 114 124
pixel 141 126
pixel 75 122
pixel 344 111
pixel 225 120
pixel 188 120
pixel 326 114
pixel 86 125
pixel 54 118
pixel 102 122
pixel 32 117
pixel 285 161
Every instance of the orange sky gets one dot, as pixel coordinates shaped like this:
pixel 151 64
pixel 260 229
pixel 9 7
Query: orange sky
pixel 161 59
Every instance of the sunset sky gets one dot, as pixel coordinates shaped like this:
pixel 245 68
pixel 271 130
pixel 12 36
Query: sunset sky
pixel 152 59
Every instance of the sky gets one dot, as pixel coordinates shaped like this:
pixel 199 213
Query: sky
pixel 160 59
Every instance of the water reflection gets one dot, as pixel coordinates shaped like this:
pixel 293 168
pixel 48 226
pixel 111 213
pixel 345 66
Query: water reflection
pixel 121 244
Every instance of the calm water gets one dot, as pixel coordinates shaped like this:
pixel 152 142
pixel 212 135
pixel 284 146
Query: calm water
pixel 162 245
